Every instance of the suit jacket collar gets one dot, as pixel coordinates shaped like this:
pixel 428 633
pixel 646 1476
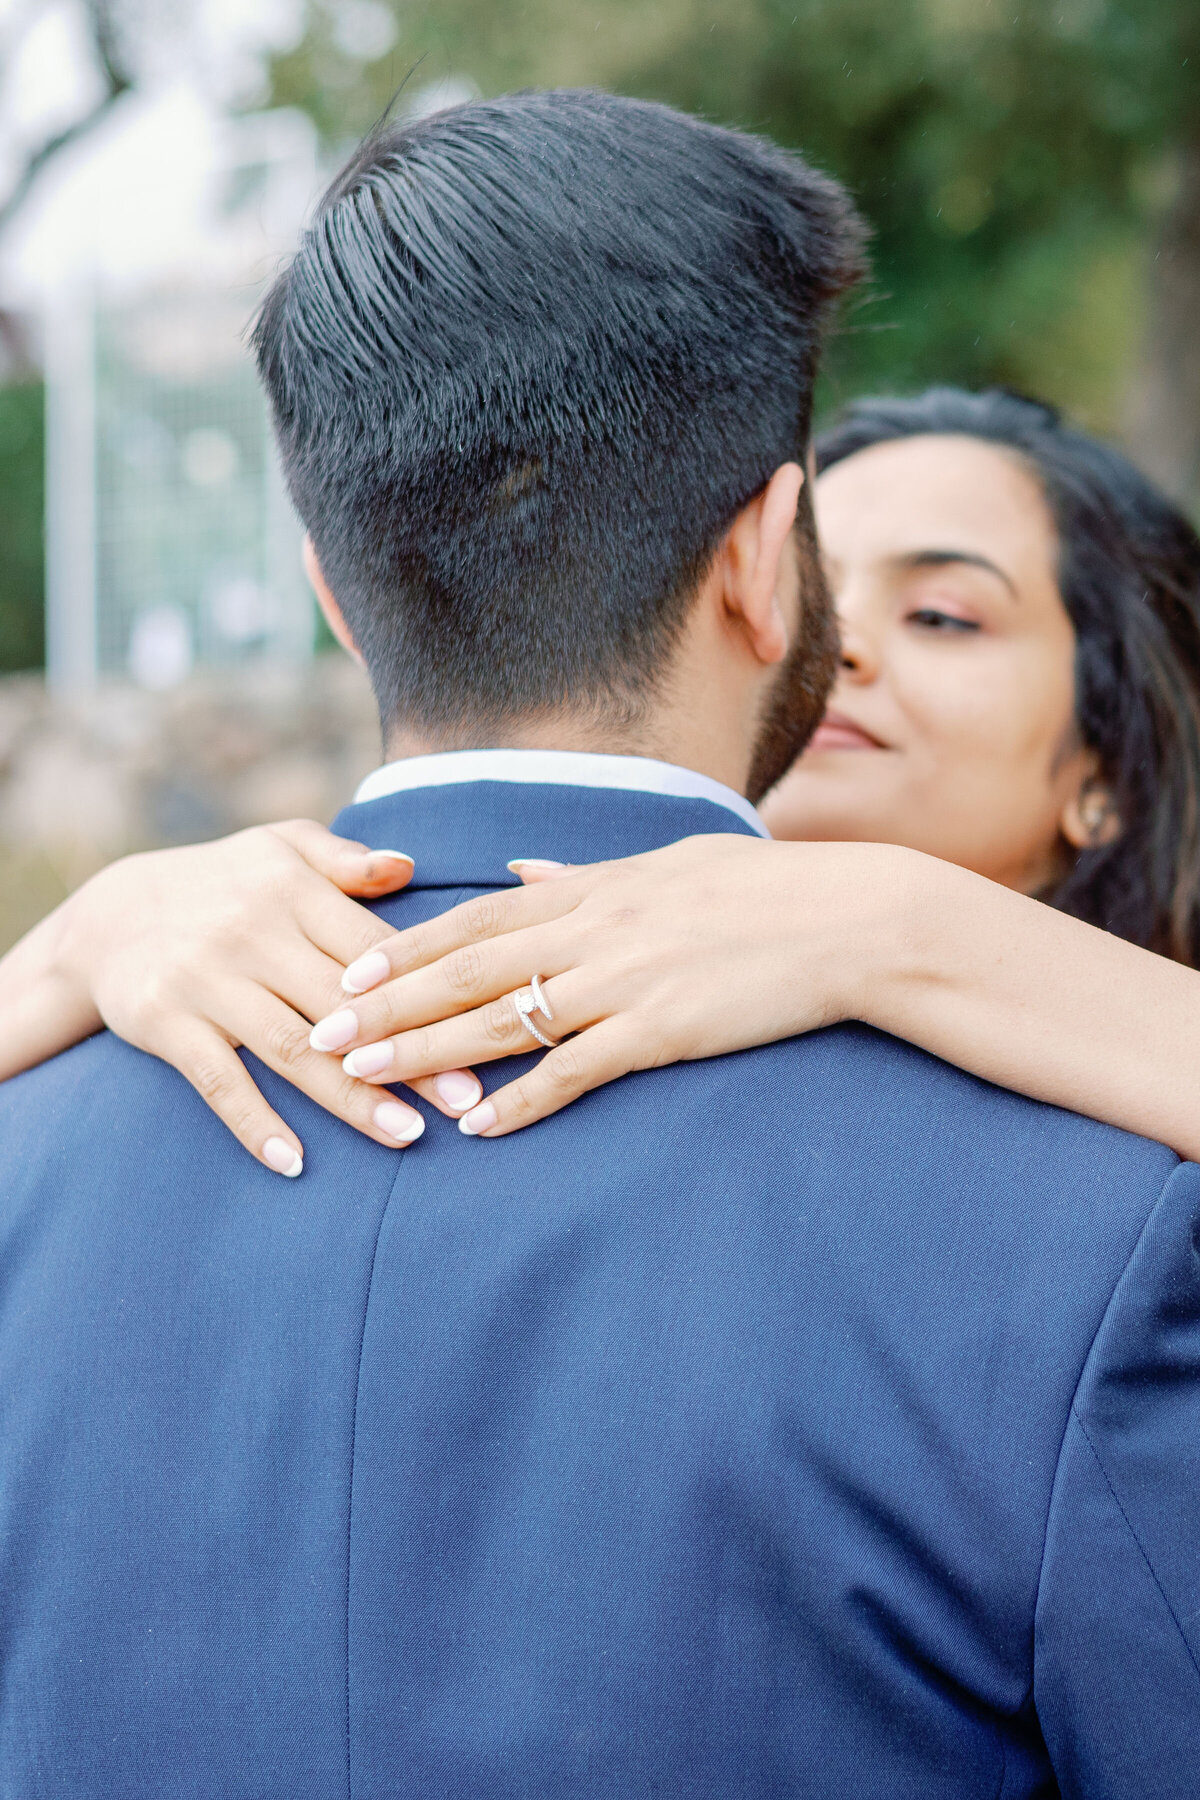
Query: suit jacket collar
pixel 564 768
pixel 464 835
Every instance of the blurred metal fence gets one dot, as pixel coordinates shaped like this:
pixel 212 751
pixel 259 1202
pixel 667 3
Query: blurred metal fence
pixel 171 545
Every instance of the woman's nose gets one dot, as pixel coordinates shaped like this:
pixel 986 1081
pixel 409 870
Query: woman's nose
pixel 860 657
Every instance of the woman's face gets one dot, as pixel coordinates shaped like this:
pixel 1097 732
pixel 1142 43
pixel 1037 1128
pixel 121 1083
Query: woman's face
pixel 952 725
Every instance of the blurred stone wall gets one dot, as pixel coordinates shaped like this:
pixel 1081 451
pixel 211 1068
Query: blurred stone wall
pixel 118 770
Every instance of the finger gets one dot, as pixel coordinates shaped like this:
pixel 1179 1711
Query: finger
pixel 531 869
pixel 295 970
pixel 481 1035
pixel 467 978
pixel 339 927
pixel 208 1060
pixel 451 1091
pixel 278 1036
pixel 587 1061
pixel 354 868
pixel 487 916
pixel 454 1092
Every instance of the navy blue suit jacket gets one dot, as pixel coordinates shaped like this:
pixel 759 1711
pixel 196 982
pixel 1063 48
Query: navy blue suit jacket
pixel 814 1421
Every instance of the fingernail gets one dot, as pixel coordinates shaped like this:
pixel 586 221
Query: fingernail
pixel 532 862
pixel 280 1156
pixel 457 1089
pixel 482 1119
pixel 367 972
pixel 388 858
pixel 400 1122
pixel 335 1031
pixel 372 1059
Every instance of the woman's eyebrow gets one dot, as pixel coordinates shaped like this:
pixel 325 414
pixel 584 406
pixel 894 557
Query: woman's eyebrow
pixel 938 559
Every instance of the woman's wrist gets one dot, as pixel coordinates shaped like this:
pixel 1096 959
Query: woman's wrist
pixel 886 904
pixel 44 1006
pixel 930 921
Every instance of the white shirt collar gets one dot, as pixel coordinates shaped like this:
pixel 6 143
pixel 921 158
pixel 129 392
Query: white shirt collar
pixel 563 768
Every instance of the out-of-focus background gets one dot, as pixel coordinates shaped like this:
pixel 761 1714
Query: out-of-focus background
pixel 1032 174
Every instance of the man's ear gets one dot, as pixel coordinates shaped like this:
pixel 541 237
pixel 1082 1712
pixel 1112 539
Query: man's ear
pixel 327 603
pixel 1090 818
pixel 759 581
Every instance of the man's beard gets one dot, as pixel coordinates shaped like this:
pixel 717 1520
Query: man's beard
pixel 796 703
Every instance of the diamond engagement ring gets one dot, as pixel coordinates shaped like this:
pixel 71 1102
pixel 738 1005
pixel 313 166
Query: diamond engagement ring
pixel 532 1000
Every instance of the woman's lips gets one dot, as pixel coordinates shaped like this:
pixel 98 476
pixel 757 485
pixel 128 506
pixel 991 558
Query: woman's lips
pixel 838 733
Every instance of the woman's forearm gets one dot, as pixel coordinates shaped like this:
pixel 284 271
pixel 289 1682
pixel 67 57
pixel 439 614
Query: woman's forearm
pixel 1036 1001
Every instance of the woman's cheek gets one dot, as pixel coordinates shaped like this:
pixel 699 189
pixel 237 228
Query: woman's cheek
pixel 994 705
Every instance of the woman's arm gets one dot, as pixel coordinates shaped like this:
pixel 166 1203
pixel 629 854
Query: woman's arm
pixel 718 943
pixel 1042 1003
pixel 42 1010
pixel 190 953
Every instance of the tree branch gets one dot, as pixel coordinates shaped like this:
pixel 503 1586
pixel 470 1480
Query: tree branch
pixel 117 81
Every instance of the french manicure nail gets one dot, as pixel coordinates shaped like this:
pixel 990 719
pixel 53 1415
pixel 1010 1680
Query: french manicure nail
pixel 532 862
pixel 366 972
pixel 385 856
pixel 371 1060
pixel 334 1032
pixel 482 1119
pixel 457 1089
pixel 280 1156
pixel 400 1122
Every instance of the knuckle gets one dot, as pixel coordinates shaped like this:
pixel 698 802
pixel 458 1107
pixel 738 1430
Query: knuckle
pixel 408 951
pixel 464 972
pixel 518 1102
pixel 284 1042
pixel 497 1020
pixel 348 1099
pixel 157 995
pixel 227 923
pixel 272 849
pixel 259 837
pixel 245 1124
pixel 274 853
pixel 563 1070
pixel 480 918
pixel 212 1079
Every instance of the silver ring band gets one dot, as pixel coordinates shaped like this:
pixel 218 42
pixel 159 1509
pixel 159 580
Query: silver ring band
pixel 533 999
pixel 539 994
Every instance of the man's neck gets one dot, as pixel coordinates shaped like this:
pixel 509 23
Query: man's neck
pixel 648 737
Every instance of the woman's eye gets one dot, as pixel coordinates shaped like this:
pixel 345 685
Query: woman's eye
pixel 930 619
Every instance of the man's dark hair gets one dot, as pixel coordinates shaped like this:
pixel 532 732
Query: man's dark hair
pixel 532 357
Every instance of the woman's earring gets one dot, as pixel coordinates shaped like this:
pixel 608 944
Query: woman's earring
pixel 1091 819
pixel 1099 817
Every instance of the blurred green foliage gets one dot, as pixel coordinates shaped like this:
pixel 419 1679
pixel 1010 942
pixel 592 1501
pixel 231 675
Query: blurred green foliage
pixel 21 489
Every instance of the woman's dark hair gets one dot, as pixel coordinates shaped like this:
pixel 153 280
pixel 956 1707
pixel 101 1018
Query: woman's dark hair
pixel 1129 575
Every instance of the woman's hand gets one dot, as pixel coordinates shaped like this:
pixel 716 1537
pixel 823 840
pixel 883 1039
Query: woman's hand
pixel 189 953
pixel 710 945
